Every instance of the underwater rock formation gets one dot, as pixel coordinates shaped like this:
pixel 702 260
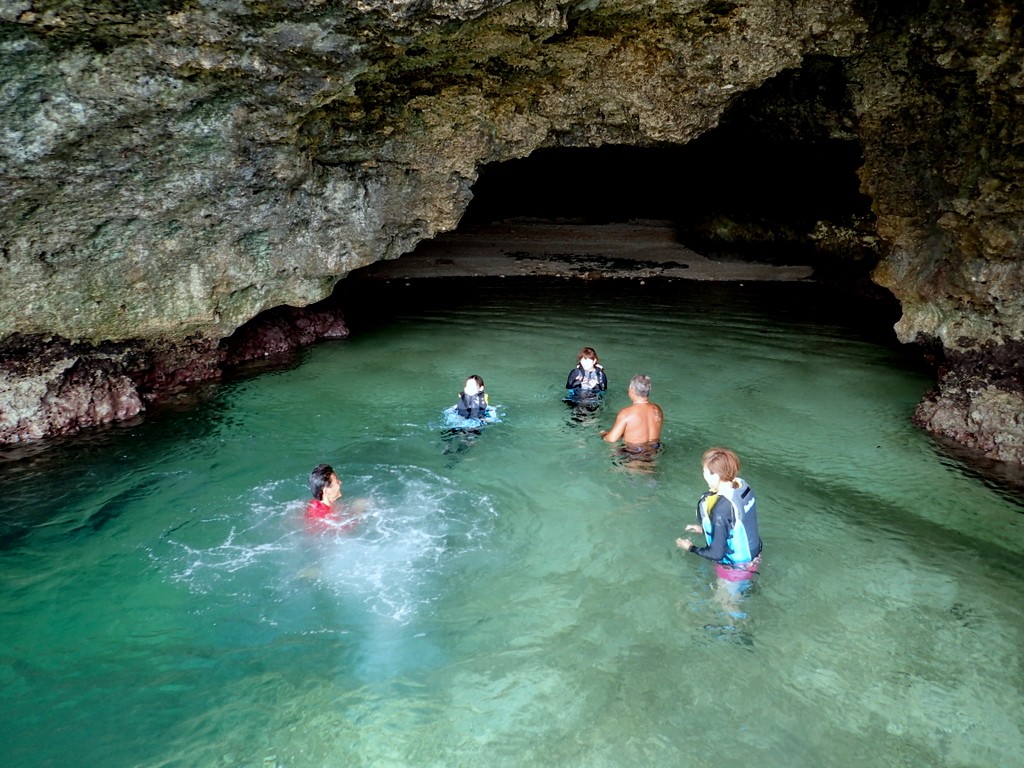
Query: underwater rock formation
pixel 168 171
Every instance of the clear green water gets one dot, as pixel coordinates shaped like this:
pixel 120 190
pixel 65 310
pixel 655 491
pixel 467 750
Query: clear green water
pixel 517 600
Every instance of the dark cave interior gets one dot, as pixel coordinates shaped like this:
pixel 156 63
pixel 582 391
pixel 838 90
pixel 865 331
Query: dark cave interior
pixel 777 176
pixel 746 178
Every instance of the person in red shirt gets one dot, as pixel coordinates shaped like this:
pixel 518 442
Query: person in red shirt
pixel 326 508
pixel 326 487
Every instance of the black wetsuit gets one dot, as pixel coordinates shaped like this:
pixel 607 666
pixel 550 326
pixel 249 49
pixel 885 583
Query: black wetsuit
pixel 585 383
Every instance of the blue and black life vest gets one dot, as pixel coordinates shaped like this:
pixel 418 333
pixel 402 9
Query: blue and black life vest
pixel 472 407
pixel 744 542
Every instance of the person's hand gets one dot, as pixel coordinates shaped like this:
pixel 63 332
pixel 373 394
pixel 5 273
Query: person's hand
pixel 684 544
pixel 694 528
pixel 603 432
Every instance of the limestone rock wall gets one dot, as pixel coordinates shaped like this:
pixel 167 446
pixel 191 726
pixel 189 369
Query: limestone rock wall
pixel 168 170
pixel 940 98
pixel 166 174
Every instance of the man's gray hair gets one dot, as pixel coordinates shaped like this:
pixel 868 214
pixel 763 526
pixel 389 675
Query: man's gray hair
pixel 641 384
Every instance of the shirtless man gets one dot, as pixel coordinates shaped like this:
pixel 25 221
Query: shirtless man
pixel 638 425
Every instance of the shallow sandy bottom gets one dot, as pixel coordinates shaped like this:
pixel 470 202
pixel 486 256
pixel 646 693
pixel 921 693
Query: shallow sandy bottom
pixel 532 248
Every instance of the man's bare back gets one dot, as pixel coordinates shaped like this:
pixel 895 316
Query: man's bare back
pixel 639 424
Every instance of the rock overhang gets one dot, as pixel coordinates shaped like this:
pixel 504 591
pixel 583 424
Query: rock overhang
pixel 169 171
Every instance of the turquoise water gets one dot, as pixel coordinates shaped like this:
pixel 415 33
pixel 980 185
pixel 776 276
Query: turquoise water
pixel 515 598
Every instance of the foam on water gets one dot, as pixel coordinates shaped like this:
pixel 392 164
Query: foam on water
pixel 391 557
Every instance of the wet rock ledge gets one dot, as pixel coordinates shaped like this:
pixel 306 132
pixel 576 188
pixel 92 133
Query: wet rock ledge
pixel 57 387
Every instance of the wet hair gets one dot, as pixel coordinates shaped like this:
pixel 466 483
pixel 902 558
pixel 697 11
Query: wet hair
pixel 319 479
pixel 587 352
pixel 722 462
pixel 641 384
pixel 477 379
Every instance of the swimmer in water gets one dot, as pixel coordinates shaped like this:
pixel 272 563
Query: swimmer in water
pixel 587 379
pixel 727 516
pixel 472 402
pixel 465 420
pixel 324 507
pixel 638 425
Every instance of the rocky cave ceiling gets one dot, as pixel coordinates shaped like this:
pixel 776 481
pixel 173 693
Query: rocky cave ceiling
pixel 170 170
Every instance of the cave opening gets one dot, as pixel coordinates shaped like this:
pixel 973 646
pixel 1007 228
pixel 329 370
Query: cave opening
pixel 723 191
pixel 775 184
pixel 740 176
pixel 775 181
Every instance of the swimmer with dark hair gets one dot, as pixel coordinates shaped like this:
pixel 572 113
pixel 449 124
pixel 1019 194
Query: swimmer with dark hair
pixel 470 414
pixel 472 402
pixel 325 485
pixel 325 506
pixel 587 380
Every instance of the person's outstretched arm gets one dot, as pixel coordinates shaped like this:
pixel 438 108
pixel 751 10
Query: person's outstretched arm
pixel 614 434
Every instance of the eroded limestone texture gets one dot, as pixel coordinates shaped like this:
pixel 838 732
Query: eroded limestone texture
pixel 939 95
pixel 170 170
pixel 978 388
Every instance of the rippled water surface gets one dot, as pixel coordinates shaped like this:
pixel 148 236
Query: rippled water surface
pixel 514 598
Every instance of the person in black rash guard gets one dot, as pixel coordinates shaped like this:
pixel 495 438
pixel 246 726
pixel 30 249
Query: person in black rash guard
pixel 727 516
pixel 587 379
pixel 472 402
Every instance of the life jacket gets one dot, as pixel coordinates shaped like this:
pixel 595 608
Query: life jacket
pixel 585 380
pixel 743 530
pixel 472 407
